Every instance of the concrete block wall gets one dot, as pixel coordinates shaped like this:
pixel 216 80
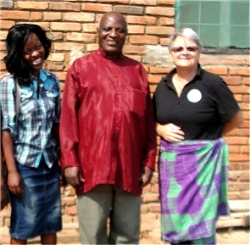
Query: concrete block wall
pixel 72 26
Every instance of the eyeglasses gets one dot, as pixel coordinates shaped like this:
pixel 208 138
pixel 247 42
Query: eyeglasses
pixel 180 49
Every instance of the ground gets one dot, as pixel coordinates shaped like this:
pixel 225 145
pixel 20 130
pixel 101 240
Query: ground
pixel 70 236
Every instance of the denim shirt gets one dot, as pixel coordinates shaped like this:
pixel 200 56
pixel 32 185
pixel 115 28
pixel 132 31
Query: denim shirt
pixel 39 110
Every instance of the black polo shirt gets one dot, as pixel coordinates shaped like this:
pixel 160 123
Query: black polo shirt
pixel 205 104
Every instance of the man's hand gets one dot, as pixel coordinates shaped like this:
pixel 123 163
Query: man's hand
pixel 74 176
pixel 146 176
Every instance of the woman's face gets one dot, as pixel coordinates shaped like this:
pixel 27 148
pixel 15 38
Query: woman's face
pixel 34 53
pixel 185 53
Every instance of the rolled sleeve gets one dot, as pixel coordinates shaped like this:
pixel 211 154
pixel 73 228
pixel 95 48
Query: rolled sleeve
pixel 7 100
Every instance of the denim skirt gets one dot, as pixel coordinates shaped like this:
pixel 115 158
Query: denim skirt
pixel 38 211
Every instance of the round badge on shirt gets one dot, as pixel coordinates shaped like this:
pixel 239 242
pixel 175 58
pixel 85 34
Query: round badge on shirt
pixel 194 95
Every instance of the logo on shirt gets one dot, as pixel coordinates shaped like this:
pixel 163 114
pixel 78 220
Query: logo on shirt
pixel 194 95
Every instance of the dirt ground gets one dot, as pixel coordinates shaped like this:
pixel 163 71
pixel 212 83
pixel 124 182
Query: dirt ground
pixel 69 236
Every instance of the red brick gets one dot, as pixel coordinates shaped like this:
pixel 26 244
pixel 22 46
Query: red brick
pixel 238 157
pixel 159 30
pixel 246 81
pixel 133 49
pixel 154 79
pixel 218 70
pixel 234 166
pixel 136 29
pixel 32 5
pixel 155 208
pixel 166 2
pixel 146 189
pixel 164 21
pixel 92 47
pixel 68 201
pixel 81 37
pixel 72 210
pixel 144 208
pixel 245 149
pixel 36 16
pixel 138 39
pixel 14 15
pixel 6 24
pixel 236 140
pixel 79 17
pixel 233 195
pixel 95 7
pixel 55 36
pixel 234 149
pixel 64 26
pixel 90 27
pixel 3 35
pixel 238 60
pixel 144 20
pixel 126 9
pixel 163 11
pixel 241 89
pixel 67 46
pixel 242 71
pixel 160 70
pixel 143 2
pixel 65 6
pixel 244 195
pixel 164 41
pixel 236 80
pixel 110 1
pixel 52 16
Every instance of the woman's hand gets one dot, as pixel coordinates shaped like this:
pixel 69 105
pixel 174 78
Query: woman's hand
pixel 15 183
pixel 170 132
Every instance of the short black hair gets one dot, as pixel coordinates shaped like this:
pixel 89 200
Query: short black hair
pixel 15 41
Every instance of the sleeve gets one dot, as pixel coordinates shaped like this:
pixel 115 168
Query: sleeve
pixel 58 103
pixel 227 106
pixel 7 100
pixel 68 129
pixel 150 146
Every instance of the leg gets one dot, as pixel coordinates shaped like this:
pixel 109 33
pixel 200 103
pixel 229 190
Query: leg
pixel 93 209
pixel 48 239
pixel 14 241
pixel 125 218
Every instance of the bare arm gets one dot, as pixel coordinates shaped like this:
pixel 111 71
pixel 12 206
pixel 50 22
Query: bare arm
pixel 234 122
pixel 14 178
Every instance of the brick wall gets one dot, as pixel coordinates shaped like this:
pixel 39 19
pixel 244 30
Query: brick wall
pixel 72 26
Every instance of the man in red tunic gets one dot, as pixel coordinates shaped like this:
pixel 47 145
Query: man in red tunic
pixel 108 138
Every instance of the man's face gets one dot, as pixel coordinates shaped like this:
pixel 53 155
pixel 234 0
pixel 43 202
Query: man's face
pixel 112 33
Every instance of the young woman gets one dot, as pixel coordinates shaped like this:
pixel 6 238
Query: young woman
pixel 30 136
pixel 194 110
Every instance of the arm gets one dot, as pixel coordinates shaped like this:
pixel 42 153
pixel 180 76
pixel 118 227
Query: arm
pixel 234 122
pixel 148 164
pixel 14 178
pixel 68 130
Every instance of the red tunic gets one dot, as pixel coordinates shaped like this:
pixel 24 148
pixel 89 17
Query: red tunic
pixel 107 124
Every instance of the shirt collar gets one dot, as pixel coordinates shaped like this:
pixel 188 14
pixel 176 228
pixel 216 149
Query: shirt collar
pixel 168 79
pixel 103 55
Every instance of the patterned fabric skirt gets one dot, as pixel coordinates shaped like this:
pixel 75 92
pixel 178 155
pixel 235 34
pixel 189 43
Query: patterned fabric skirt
pixel 193 178
pixel 38 212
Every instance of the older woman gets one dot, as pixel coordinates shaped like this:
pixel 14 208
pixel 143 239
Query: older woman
pixel 194 109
